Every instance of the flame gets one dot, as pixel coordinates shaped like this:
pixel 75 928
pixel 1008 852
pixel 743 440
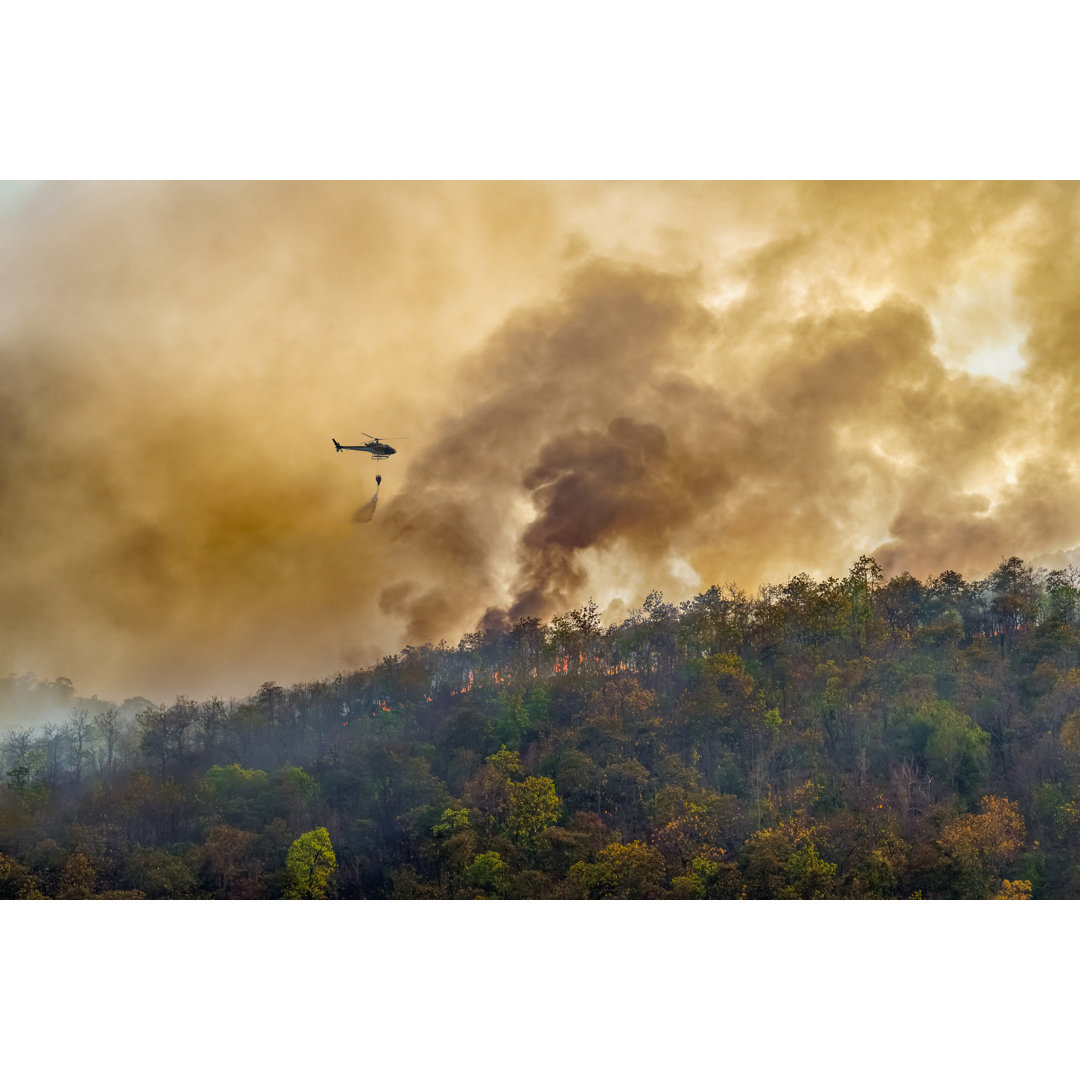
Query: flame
pixel 493 676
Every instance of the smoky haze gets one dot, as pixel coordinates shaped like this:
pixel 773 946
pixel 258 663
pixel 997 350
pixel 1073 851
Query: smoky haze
pixel 608 388
pixel 365 513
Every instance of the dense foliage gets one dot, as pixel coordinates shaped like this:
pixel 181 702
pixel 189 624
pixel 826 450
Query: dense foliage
pixel 854 738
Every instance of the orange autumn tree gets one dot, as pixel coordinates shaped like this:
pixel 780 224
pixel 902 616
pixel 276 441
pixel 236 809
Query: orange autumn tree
pixel 983 845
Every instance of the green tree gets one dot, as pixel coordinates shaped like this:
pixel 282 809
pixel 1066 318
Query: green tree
pixel 506 762
pixel 592 881
pixel 488 873
pixel 638 869
pixel 783 863
pixel 631 871
pixel 534 805
pixel 454 819
pixel 239 795
pixel 161 875
pixel 957 750
pixel 456 839
pixel 809 876
pixel 708 879
pixel 513 718
pixel 687 887
pixel 309 866
pixel 861 585
pixel 722 879
pixel 293 793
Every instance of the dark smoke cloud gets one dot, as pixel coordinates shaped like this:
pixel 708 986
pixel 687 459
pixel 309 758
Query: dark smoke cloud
pixel 610 388
pixel 837 446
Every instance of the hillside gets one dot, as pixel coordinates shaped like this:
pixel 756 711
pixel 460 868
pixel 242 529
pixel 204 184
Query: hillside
pixel 852 738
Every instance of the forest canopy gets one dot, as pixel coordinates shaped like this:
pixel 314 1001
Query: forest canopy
pixel 852 738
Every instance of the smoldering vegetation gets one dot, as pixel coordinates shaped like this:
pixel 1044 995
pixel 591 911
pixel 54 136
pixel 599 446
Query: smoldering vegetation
pixel 613 388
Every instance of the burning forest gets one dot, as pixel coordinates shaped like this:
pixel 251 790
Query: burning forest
pixel 856 737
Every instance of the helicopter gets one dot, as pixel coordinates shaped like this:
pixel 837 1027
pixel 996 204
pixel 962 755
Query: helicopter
pixel 378 450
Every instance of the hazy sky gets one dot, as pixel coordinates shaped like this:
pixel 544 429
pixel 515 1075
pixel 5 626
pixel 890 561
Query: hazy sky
pixel 606 388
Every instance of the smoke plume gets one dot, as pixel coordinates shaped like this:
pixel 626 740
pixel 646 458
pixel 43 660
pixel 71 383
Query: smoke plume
pixel 609 388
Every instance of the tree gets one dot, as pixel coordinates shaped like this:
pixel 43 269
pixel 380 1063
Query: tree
pixel 456 839
pixel 983 845
pixel 230 863
pixel 708 879
pixel 78 879
pixel 861 585
pixel 957 749
pixel 638 869
pixel 1014 890
pixel 239 795
pixel 292 794
pixel 154 740
pixel 309 866
pixel 1015 598
pixel 108 725
pixel 954 748
pixel 534 805
pixel 488 873
pixel 51 742
pixel 79 733
pixel 902 600
pixel 783 863
pixel 809 876
pixel 17 882
pixel 181 715
pixel 455 819
pixel 160 875
pixel 877 876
